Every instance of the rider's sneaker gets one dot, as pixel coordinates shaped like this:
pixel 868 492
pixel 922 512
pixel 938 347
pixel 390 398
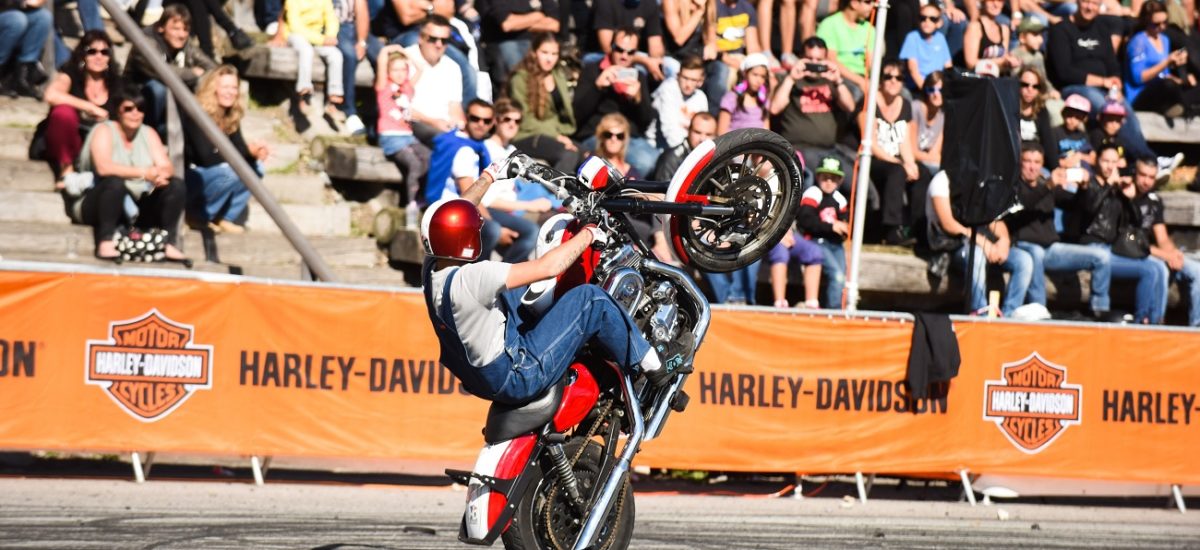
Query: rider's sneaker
pixel 676 358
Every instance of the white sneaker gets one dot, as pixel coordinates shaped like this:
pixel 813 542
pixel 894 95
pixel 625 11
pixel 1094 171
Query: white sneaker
pixel 272 28
pixel 354 125
pixel 1167 165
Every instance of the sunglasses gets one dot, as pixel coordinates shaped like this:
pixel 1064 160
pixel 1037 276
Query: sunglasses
pixel 510 120
pixel 1029 85
pixel 130 108
pixel 102 51
pixel 613 135
pixel 895 77
pixel 930 90
pixel 623 51
pixel 480 120
pixel 440 40
pixel 931 18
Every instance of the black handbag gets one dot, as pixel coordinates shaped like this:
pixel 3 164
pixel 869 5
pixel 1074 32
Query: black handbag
pixel 37 145
pixel 1131 243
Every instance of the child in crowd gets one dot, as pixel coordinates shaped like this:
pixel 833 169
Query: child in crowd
pixel 1112 117
pixel 823 218
pixel 310 26
pixel 1074 147
pixel 394 81
pixel 1029 52
pixel 925 50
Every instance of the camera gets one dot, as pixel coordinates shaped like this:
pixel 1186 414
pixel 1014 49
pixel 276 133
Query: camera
pixel 816 67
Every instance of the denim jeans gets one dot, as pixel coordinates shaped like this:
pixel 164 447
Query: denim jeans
pixel 736 285
pixel 267 12
pixel 540 356
pixel 470 76
pixel 1189 276
pixel 640 154
pixel 89 15
pixel 1151 282
pixel 23 33
pixel 347 37
pixel 1070 257
pixel 155 93
pixel 1020 268
pixel 511 52
pixel 526 239
pixel 833 271
pixel 391 144
pixel 216 192
pixel 954 34
pixel 1131 130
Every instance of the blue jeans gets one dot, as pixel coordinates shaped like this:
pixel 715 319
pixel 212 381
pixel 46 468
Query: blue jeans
pixel 539 357
pixel 1020 268
pixel 470 77
pixel 216 192
pixel 1070 257
pixel 640 154
pixel 954 34
pixel 736 285
pixel 511 52
pixel 347 37
pixel 393 144
pixel 833 271
pixel 89 15
pixel 24 33
pixel 266 12
pixel 155 93
pixel 1151 282
pixel 1188 276
pixel 526 230
pixel 1131 130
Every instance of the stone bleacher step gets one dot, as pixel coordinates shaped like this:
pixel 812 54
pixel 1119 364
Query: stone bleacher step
pixel 32 206
pixel 14 142
pixel 281 63
pixel 26 175
pixel 309 189
pixel 326 220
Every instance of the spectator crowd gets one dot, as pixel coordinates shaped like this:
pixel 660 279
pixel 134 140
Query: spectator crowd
pixel 638 84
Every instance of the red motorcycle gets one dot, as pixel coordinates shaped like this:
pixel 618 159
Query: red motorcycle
pixel 552 474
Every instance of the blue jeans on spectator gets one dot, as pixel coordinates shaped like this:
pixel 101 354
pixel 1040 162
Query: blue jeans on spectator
pixel 347 37
pixel 526 238
pixel 469 75
pixel 511 53
pixel 954 34
pixel 833 271
pixel 89 15
pixel 155 93
pixel 1020 268
pixel 640 154
pixel 1151 282
pixel 1131 130
pixel 1189 276
pixel 216 192
pixel 266 12
pixel 393 144
pixel 23 33
pixel 1070 257
pixel 736 286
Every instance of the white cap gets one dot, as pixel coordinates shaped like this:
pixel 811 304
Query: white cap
pixel 755 60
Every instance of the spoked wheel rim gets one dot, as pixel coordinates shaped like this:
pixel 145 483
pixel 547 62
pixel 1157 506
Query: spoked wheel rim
pixel 556 521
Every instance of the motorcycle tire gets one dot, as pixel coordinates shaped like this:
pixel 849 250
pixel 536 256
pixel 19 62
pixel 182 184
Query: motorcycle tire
pixel 778 197
pixel 543 520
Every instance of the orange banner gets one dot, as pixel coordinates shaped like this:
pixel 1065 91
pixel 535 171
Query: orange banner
pixel 123 363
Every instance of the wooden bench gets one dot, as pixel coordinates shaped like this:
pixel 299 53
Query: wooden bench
pixel 1156 129
pixel 344 161
pixel 280 64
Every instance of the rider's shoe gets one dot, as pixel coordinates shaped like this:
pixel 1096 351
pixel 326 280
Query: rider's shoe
pixel 676 358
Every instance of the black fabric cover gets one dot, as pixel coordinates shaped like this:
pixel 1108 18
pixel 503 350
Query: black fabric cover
pixel 980 147
pixel 934 356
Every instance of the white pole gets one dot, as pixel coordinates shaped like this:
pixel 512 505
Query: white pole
pixel 864 165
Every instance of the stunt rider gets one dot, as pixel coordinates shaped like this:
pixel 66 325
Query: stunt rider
pixel 497 350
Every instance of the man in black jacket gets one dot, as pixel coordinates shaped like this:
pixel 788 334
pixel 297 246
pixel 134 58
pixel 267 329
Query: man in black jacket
pixel 613 85
pixel 171 36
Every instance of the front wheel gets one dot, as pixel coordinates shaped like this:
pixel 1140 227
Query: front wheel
pixel 753 170
pixel 546 519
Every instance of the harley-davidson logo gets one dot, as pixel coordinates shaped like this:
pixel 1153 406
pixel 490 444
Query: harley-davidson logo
pixel 149 365
pixel 1033 404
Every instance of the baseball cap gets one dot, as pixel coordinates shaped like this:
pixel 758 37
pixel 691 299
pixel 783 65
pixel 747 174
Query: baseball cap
pixel 755 60
pixel 1031 24
pixel 1113 108
pixel 831 165
pixel 1077 102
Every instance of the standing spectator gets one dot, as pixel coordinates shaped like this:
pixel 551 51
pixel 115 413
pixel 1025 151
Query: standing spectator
pixel 540 86
pixel 737 31
pixel 925 49
pixel 394 78
pixel 1184 270
pixel 508 26
pixel 203 13
pixel 643 20
pixel 823 217
pixel 79 97
pixel 745 106
pixel 1032 230
pixel 895 167
pixel 216 195
pixel 355 42
pixel 986 39
pixel 931 121
pixel 1030 39
pixel 308 26
pixel 692 32
pixel 130 165
pixel 992 246
pixel 675 101
pixel 612 85
pixel 811 103
pixel 438 96
pixel 171 36
pixel 501 200
pixel 1152 84
pixel 849 37
pixel 703 127
pixel 24 28
pixel 1034 120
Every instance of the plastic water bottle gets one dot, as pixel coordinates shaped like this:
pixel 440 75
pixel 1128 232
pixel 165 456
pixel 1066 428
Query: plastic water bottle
pixel 411 213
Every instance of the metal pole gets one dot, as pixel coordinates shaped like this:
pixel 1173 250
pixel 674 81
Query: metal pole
pixel 864 164
pixel 186 101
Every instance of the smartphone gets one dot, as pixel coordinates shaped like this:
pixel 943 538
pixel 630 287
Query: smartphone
pixel 627 74
pixel 816 67
pixel 1076 175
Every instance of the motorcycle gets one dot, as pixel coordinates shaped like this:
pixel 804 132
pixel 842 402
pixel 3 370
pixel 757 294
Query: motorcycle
pixel 551 474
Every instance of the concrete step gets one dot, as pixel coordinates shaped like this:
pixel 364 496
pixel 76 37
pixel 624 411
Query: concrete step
pixel 22 112
pixel 25 175
pixel 32 206
pixel 14 142
pixel 327 220
pixel 379 276
pixel 312 189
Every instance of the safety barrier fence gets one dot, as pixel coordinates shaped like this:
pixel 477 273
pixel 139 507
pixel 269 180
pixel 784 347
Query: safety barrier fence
pixel 108 362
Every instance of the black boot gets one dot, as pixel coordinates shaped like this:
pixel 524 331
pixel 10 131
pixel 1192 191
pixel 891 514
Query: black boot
pixel 6 88
pixel 21 82
pixel 240 39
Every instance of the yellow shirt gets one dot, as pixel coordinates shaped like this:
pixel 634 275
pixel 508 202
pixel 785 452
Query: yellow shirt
pixel 315 20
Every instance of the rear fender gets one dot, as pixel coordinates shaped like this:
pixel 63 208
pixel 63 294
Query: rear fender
pixel 688 171
pixel 495 486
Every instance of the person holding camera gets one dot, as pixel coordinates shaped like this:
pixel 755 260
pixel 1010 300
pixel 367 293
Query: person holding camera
pixel 613 85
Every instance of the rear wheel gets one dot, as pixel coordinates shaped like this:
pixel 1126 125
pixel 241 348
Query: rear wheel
pixel 751 169
pixel 546 519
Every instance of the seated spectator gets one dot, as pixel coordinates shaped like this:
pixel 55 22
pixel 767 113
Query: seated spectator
pixel 394 85
pixel 171 35
pixel 675 101
pixel 692 32
pixel 1074 145
pixel 925 49
pixel 702 127
pixel 745 106
pixel 737 31
pixel 203 13
pixel 992 246
pixel 1032 230
pixel 509 26
pixel 216 194
pixel 501 200
pixel 1046 12
pixel 133 179
pixel 1182 269
pixel 24 28
pixel 811 105
pixel 930 119
pixel 438 95
pixel 612 144
pixel 1030 39
pixel 612 85
pixel 355 43
pixel 79 97
pixel 643 20
pixel 405 22
pixel 312 26
pixel 1107 132
pixel 792 248
pixel 987 40
pixel 1106 212
pixel 849 37
pixel 540 87
pixel 1034 120
pixel 894 169
pixel 823 217
pixel 1155 82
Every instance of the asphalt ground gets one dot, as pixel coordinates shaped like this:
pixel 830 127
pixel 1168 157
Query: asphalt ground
pixel 203 508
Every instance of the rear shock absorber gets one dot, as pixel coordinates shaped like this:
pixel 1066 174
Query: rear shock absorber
pixel 566 476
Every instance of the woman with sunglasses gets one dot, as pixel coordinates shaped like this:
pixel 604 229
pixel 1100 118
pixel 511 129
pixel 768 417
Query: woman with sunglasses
pixel 931 120
pixel 987 40
pixel 1153 81
pixel 1035 126
pixel 894 169
pixel 540 86
pixel 133 178
pixel 79 98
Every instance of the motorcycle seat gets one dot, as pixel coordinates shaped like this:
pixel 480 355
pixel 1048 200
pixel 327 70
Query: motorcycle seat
pixel 506 421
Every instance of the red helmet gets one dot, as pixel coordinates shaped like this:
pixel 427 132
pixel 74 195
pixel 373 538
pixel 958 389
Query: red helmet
pixel 450 230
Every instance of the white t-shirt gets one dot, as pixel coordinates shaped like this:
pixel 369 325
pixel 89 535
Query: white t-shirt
pixel 438 87
pixel 674 113
pixel 475 301
pixel 939 186
pixel 505 189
